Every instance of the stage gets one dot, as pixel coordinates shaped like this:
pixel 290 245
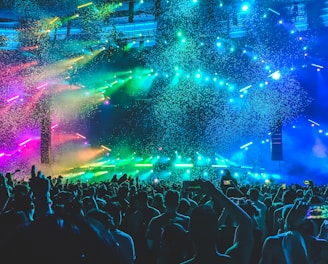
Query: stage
pixel 156 95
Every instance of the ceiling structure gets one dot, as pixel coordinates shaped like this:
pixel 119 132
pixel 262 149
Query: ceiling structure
pixel 136 21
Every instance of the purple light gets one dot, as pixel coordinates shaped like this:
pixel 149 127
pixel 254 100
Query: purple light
pixel 12 99
pixel 42 86
pixel 2 154
pixel 25 142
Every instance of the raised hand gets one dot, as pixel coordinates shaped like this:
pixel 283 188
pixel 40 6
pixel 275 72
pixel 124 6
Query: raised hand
pixel 296 215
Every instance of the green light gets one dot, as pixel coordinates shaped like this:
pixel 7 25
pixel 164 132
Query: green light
pixel 179 34
pixel 197 75
pixel 183 40
pixel 109 166
pixel 176 68
pixel 144 165
pixel 100 173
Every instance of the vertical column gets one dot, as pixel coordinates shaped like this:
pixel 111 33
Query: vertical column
pixel 45 131
pixel 157 9
pixel 131 11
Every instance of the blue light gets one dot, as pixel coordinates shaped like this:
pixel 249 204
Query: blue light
pixel 219 44
pixel 276 75
pixel 245 7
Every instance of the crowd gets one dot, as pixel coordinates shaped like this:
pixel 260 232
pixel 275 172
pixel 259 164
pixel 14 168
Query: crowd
pixel 124 220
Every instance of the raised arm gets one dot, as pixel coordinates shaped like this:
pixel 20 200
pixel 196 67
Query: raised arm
pixel 241 250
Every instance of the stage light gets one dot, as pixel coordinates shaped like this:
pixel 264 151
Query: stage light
pixel 42 86
pixel 313 122
pixel 246 145
pixel 2 154
pixel 80 136
pixel 12 99
pixel 276 75
pixel 245 7
pixel 275 12
pixel 197 75
pixel 245 88
pixel 84 5
pixel 144 165
pixel 25 142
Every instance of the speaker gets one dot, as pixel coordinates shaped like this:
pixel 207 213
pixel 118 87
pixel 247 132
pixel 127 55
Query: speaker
pixel 276 143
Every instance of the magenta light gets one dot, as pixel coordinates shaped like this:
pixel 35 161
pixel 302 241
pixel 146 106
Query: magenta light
pixel 12 99
pixel 2 154
pixel 54 126
pixel 25 142
pixel 42 86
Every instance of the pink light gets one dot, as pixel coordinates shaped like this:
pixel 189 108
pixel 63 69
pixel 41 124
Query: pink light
pixel 80 136
pixel 54 126
pixel 25 142
pixel 2 154
pixel 12 99
pixel 42 86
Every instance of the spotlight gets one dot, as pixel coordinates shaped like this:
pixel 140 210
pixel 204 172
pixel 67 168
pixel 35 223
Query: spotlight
pixel 245 7
pixel 276 75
